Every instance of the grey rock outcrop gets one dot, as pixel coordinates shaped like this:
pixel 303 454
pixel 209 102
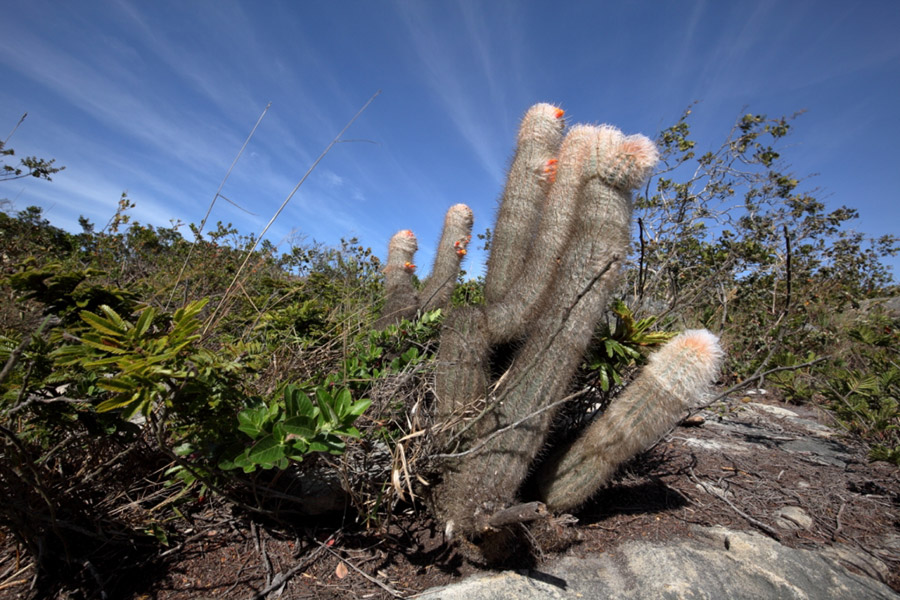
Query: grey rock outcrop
pixel 715 563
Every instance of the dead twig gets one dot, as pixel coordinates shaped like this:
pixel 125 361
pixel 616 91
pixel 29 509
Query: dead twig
pixel 187 260
pixel 521 513
pixel 721 496
pixel 840 526
pixel 281 579
pixel 374 580
pixel 756 377
pixel 237 577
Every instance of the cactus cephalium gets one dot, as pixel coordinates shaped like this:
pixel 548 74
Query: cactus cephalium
pixel 562 233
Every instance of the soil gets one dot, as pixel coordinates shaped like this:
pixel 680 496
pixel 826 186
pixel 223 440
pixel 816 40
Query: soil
pixel 696 476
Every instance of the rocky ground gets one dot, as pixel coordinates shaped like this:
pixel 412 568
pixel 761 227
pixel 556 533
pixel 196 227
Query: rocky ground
pixel 755 469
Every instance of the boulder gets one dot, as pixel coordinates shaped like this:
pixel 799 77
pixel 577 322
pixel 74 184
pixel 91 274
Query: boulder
pixel 714 563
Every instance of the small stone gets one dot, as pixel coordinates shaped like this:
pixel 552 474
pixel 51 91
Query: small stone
pixel 793 518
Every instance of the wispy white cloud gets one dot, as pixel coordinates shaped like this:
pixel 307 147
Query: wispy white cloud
pixel 453 88
pixel 116 98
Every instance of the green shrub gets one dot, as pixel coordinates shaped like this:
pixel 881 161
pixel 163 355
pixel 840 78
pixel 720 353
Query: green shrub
pixel 288 431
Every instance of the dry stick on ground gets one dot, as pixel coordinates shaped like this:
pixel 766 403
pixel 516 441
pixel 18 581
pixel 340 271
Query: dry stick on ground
pixel 721 496
pixel 284 578
pixel 377 582
pixel 337 138
pixel 237 577
pixel 10 582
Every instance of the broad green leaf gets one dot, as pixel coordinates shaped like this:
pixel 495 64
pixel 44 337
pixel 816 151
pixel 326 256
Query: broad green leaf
pixel 318 446
pixel 226 464
pixel 291 402
pixel 604 379
pixel 342 402
pixel 334 444
pixel 326 405
pixel 350 432
pixel 278 432
pixel 359 407
pixel 243 462
pixel 609 346
pixel 303 427
pixel 297 451
pixel 631 352
pixel 297 403
pixel 266 450
pixel 252 420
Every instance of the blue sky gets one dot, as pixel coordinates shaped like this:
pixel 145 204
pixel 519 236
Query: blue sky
pixel 156 98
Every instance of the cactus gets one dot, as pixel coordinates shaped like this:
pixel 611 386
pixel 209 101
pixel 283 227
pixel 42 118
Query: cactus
pixel 672 381
pixel 561 235
pixel 402 301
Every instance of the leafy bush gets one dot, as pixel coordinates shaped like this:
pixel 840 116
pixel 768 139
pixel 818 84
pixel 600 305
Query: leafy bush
pixel 289 431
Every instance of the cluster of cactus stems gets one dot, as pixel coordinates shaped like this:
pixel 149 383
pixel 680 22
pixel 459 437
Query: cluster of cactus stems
pixel 561 235
pixel 402 300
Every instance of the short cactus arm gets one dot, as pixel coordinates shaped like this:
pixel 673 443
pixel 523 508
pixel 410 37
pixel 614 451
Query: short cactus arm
pixel 674 379
pixel 401 300
pixel 451 250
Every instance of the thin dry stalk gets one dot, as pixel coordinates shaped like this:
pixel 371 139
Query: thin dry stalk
pixel 211 204
pixel 337 138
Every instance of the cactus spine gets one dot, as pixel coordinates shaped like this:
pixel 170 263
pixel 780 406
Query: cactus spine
pixel 673 380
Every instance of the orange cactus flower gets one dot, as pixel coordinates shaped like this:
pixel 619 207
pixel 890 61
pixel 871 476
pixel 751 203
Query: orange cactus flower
pixel 550 169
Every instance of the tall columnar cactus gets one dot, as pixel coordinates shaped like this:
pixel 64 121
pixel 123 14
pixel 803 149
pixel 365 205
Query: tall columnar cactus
pixel 561 235
pixel 402 299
